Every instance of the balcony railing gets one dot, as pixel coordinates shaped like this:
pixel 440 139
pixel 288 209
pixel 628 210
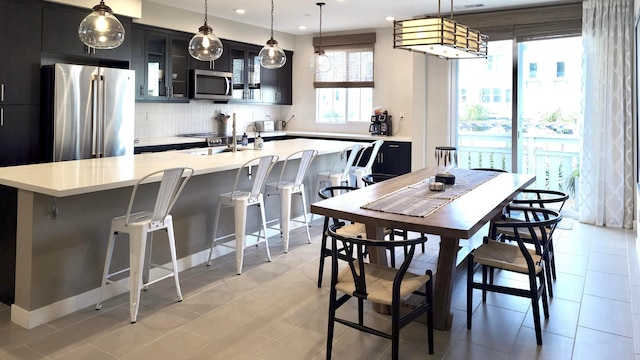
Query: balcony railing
pixel 554 159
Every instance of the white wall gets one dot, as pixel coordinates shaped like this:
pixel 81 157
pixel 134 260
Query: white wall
pixel 401 86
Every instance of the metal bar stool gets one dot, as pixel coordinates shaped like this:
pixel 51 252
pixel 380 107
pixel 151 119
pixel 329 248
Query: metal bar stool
pixel 287 188
pixel 240 200
pixel 140 224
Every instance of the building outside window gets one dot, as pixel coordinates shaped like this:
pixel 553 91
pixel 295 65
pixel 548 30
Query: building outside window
pixel 533 70
pixel 560 69
pixel 497 95
pixel 484 95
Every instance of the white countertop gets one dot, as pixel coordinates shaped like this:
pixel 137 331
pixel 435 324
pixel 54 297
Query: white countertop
pixel 76 177
pixel 168 140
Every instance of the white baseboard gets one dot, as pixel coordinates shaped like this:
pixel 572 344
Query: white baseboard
pixel 30 319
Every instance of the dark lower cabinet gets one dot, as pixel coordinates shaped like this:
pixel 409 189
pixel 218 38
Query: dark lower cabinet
pixel 394 158
pixel 8 224
pixel 168 147
pixel 19 144
pixel 20 41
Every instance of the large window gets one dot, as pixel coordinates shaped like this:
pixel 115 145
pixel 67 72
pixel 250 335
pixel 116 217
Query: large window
pixel 345 93
pixel 545 122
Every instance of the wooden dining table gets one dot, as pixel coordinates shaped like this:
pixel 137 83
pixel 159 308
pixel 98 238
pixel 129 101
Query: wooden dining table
pixel 458 219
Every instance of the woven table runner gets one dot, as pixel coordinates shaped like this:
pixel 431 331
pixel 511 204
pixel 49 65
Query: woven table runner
pixel 418 200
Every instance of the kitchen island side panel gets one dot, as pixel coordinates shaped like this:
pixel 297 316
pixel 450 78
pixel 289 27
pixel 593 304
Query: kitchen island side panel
pixel 62 257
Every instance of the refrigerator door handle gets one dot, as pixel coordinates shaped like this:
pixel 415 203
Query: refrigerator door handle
pixel 102 115
pixel 94 114
pixel 97 111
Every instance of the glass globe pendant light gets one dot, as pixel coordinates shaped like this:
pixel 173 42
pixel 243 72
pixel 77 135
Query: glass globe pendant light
pixel 100 29
pixel 205 45
pixel 320 62
pixel 272 56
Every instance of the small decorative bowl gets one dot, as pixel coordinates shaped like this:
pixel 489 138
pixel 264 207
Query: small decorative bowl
pixel 174 76
pixel 436 186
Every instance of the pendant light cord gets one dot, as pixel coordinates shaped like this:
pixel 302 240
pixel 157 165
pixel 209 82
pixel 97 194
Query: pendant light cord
pixel 205 12
pixel 320 42
pixel 271 19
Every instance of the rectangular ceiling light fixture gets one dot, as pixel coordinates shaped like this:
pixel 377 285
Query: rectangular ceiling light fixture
pixel 439 36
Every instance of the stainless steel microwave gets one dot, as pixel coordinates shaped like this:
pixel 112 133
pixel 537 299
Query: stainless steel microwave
pixel 210 85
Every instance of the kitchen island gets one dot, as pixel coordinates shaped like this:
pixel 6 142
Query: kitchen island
pixel 65 209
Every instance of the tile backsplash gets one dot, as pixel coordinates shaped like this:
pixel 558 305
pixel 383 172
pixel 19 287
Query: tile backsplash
pixel 167 119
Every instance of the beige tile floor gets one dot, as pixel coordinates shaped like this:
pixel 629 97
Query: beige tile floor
pixel 275 311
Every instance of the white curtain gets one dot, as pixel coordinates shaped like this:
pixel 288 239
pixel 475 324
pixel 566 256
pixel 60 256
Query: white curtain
pixel 607 173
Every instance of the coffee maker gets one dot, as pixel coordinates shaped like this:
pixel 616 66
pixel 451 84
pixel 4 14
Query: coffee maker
pixel 381 124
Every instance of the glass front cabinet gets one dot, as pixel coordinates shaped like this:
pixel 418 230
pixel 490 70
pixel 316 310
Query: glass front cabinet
pixel 245 66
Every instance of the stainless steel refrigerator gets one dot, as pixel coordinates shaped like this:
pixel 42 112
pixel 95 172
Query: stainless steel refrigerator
pixel 89 112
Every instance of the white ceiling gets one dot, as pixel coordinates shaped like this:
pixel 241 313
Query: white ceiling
pixel 338 15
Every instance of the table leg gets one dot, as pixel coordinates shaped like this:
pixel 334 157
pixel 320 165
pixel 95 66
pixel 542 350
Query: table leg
pixel 443 317
pixel 378 256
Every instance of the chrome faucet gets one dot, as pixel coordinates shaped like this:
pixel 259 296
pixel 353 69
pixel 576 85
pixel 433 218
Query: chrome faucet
pixel 234 142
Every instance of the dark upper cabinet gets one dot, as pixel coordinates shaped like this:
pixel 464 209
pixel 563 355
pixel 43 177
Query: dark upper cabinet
pixel 20 29
pixel 161 60
pixel 60 34
pixel 221 64
pixel 246 69
pixel 277 83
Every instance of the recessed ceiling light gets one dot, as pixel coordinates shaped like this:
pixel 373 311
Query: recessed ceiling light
pixel 239 11
pixel 302 27
pixel 389 18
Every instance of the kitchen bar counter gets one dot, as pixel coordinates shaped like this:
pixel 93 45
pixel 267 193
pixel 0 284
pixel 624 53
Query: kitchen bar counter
pixel 65 209
pixel 171 140
pixel 75 177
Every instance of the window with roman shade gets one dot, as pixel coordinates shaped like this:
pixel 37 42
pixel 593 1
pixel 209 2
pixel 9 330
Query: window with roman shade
pixel 345 93
pixel 351 61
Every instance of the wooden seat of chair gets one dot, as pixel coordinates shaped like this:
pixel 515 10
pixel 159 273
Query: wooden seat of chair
pixel 356 230
pixel 505 256
pixel 379 282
